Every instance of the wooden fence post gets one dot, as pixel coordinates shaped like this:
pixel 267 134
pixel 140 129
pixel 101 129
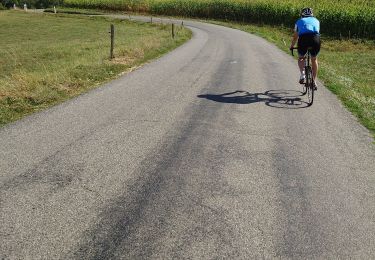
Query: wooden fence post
pixel 173 30
pixel 112 41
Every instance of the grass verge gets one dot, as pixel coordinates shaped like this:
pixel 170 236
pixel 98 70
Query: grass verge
pixel 67 10
pixel 48 58
pixel 346 67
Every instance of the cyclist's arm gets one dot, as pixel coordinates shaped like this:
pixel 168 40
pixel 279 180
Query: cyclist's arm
pixel 294 39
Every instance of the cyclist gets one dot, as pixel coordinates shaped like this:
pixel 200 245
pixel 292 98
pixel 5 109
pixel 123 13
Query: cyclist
pixel 306 31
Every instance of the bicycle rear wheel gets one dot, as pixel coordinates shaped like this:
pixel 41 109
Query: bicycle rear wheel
pixel 309 85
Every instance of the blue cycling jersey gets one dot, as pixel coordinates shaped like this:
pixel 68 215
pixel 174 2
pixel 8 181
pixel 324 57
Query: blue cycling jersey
pixel 307 25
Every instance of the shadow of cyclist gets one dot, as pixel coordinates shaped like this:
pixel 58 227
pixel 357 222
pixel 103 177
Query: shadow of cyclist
pixel 288 99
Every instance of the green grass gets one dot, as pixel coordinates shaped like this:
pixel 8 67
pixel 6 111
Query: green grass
pixel 48 58
pixel 67 10
pixel 346 68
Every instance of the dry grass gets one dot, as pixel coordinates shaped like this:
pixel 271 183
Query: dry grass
pixel 56 57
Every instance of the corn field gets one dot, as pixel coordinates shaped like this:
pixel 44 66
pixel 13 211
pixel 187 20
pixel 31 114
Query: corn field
pixel 347 18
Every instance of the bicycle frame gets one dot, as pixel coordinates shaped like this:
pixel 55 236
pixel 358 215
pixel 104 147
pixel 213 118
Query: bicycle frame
pixel 307 59
pixel 309 81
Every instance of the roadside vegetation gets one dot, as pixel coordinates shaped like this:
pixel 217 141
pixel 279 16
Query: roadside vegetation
pixel 67 10
pixel 30 3
pixel 345 18
pixel 48 58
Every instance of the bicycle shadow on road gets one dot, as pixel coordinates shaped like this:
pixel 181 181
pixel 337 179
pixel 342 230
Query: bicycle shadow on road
pixel 287 99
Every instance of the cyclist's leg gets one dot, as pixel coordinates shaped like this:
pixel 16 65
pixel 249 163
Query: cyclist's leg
pixel 302 50
pixel 315 67
pixel 301 64
pixel 314 53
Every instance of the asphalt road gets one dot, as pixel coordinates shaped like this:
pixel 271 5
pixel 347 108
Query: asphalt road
pixel 206 153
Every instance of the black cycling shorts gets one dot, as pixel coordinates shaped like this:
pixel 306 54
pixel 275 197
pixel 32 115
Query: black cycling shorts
pixel 306 41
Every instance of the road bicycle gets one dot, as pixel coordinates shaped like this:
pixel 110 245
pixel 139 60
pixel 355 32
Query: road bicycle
pixel 309 85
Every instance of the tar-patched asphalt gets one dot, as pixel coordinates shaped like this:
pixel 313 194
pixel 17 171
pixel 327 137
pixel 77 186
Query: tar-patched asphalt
pixel 209 152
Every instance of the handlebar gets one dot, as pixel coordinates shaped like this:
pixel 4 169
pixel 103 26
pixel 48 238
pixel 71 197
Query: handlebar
pixel 294 48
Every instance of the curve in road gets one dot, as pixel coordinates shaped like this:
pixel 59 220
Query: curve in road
pixel 208 152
